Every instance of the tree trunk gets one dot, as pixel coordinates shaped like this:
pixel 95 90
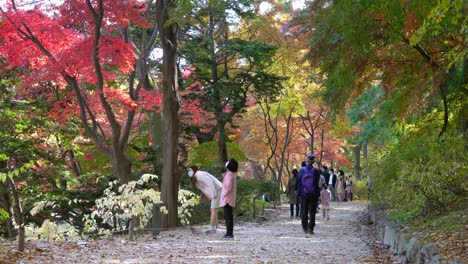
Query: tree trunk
pixel 170 177
pixel 121 167
pixel 357 161
pixel 322 133
pixel 222 147
pixel 156 143
pixel 75 166
pixel 257 171
pixel 5 204
pixel 19 215
pixel 364 160
pixel 364 152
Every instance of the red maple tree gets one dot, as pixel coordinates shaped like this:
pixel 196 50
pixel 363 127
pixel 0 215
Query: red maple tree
pixel 87 48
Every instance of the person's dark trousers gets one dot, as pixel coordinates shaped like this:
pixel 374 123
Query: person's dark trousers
pixel 291 208
pixel 297 210
pixel 333 194
pixel 318 205
pixel 229 218
pixel 302 206
pixel 351 196
pixel 308 215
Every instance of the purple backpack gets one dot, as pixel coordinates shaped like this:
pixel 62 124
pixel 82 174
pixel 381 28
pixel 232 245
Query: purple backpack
pixel 309 181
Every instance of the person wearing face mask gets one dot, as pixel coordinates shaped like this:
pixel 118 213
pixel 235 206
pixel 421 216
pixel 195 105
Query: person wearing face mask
pixel 228 196
pixel 210 188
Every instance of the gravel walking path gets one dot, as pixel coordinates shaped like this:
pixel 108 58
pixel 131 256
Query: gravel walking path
pixel 277 239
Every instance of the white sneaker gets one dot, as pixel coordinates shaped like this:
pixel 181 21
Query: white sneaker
pixel 210 231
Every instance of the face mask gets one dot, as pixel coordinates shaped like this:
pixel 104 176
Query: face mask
pixel 225 165
pixel 190 173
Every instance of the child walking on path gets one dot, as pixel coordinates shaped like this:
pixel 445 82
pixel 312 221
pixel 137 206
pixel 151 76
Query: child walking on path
pixel 325 196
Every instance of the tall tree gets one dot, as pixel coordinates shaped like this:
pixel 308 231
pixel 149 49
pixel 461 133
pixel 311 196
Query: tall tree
pixel 22 146
pixel 171 174
pixel 87 47
pixel 313 120
pixel 228 68
pixel 280 131
pixel 413 49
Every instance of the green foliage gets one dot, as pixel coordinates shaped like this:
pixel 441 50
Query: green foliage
pixel 360 44
pixel 59 205
pixel 453 221
pixel 98 162
pixel 206 154
pixel 403 215
pixel 200 213
pixel 433 225
pixel 3 217
pixel 360 191
pixel 445 20
pixel 229 68
pixel 247 189
pixel 364 112
pixel 421 171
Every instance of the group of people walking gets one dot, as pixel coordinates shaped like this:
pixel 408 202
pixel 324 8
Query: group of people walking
pixel 306 189
pixel 310 187
pixel 340 186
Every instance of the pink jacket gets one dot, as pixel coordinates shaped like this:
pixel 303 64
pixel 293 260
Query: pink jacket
pixel 228 193
pixel 325 197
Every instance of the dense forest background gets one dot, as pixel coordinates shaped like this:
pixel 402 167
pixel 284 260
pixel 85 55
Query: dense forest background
pixel 104 103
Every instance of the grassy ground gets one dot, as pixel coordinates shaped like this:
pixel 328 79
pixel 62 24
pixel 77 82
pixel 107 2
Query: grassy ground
pixel 448 230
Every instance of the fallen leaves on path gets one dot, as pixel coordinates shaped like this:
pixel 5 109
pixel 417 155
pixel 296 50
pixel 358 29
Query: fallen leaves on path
pixel 276 240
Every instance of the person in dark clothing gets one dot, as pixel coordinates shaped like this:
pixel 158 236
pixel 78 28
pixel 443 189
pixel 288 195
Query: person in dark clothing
pixel 332 184
pixel 310 199
pixel 326 174
pixel 299 187
pixel 291 192
pixel 303 164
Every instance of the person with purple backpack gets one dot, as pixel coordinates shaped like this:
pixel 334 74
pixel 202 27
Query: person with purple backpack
pixel 310 191
pixel 299 188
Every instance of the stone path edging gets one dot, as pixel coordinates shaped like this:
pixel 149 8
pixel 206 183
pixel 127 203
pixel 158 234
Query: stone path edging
pixel 405 247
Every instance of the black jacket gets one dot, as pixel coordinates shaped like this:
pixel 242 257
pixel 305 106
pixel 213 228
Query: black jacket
pixel 326 174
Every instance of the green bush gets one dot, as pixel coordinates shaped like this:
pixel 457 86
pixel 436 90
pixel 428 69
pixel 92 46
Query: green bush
pixel 200 213
pixel 3 217
pixel 360 189
pixel 206 154
pixel 245 192
pixel 422 171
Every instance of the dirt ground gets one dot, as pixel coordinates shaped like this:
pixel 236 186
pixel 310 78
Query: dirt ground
pixel 273 238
